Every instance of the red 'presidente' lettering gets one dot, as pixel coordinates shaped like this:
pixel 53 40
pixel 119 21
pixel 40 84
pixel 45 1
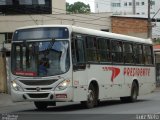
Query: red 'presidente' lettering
pixel 137 72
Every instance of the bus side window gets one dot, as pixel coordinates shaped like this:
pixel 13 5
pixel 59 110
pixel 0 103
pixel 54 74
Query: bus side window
pixel 91 49
pixel 117 51
pixel 128 53
pixel 78 52
pixel 103 50
pixel 148 55
pixel 138 54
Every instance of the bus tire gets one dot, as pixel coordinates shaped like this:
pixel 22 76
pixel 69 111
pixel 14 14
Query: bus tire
pixel 134 94
pixel 41 105
pixel 91 99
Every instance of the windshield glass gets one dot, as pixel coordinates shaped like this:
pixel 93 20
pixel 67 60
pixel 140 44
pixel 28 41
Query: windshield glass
pixel 43 58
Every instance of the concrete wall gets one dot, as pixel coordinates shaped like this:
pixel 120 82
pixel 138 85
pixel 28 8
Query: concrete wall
pixel 130 26
pixel 95 21
pixel 58 6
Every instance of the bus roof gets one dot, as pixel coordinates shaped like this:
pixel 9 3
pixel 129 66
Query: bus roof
pixel 96 33
pixel 110 35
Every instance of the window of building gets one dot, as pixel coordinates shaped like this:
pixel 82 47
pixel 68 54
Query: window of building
pixel 130 3
pixel 96 5
pixel 142 3
pixel 2 2
pixel 41 2
pixel 6 37
pixel 35 2
pixel 25 7
pixel 25 2
pixel 125 4
pixel 9 2
pixel 16 2
pixel 2 38
pixel 152 13
pixel 118 4
pixel 152 3
pixel 9 37
pixel 137 3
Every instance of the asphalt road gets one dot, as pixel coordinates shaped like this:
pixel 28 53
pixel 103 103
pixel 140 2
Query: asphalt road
pixel 147 107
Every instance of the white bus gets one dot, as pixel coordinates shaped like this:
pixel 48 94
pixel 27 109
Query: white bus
pixel 53 63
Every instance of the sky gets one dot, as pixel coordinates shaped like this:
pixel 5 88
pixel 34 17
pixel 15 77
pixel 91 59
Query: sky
pixel 90 2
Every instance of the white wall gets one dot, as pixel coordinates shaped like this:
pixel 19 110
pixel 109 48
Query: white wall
pixel 156 30
pixel 102 6
pixel 106 6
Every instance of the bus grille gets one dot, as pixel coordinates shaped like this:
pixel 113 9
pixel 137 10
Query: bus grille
pixel 42 95
pixel 35 89
pixel 37 82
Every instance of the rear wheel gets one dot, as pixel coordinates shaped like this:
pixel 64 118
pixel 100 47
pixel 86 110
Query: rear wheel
pixel 134 92
pixel 92 97
pixel 41 105
pixel 133 96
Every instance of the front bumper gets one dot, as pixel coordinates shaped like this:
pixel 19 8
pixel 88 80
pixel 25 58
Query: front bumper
pixel 64 95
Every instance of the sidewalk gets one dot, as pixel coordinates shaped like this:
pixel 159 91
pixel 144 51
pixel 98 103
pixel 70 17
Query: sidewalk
pixel 6 100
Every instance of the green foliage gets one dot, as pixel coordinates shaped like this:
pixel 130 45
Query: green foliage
pixel 78 7
pixel 157 41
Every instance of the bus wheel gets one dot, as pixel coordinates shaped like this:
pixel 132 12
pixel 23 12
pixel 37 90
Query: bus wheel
pixel 41 105
pixel 92 99
pixel 134 92
pixel 133 96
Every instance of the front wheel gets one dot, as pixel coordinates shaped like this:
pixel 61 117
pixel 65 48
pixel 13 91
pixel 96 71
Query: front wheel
pixel 92 98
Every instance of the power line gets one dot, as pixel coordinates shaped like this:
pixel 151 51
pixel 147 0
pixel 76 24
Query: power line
pixel 156 13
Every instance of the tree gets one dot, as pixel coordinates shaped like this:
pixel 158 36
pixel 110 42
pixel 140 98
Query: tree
pixel 78 7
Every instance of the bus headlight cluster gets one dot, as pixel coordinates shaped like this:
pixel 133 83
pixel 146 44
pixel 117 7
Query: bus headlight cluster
pixel 63 85
pixel 16 86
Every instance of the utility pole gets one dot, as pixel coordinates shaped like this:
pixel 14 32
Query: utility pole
pixel 134 6
pixel 149 20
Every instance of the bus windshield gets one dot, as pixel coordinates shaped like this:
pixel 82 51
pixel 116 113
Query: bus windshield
pixel 40 58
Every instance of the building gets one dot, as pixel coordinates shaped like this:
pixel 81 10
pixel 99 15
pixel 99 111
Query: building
pixel 21 7
pixel 102 6
pixel 130 25
pixel 133 7
pixel 125 7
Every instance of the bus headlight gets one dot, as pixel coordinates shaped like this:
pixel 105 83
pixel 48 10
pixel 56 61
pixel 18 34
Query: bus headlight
pixel 16 86
pixel 63 85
